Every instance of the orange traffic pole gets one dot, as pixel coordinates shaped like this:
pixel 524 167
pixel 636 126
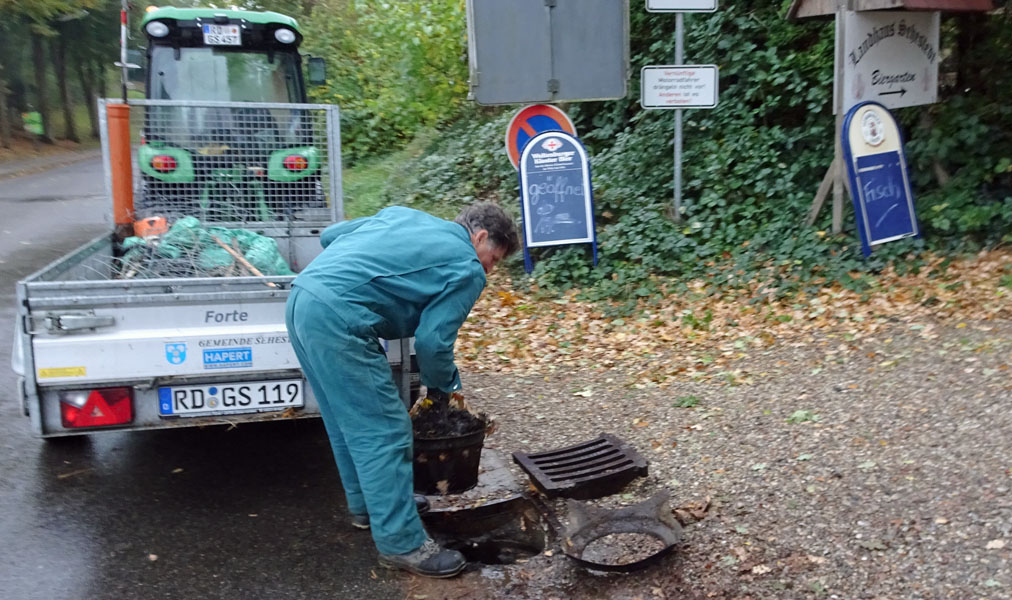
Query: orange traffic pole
pixel 122 171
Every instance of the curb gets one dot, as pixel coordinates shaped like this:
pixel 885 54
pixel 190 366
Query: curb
pixel 56 164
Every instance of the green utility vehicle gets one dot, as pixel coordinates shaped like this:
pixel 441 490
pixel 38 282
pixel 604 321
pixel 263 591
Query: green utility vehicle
pixel 231 163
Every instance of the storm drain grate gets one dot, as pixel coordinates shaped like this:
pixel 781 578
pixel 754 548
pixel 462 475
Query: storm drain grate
pixel 587 470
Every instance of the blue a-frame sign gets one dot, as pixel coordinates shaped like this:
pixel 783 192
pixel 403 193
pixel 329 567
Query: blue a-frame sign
pixel 879 182
pixel 557 201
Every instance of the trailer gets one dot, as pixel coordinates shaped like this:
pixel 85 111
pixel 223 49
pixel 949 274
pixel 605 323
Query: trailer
pixel 183 324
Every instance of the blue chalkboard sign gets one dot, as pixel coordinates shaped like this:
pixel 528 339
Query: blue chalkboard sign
pixel 556 196
pixel 879 183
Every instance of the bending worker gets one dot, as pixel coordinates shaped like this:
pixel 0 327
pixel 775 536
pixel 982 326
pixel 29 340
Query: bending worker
pixel 397 274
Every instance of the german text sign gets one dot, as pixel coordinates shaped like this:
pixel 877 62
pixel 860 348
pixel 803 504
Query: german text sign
pixel 678 86
pixel 890 57
pixel 879 183
pixel 681 5
pixel 555 189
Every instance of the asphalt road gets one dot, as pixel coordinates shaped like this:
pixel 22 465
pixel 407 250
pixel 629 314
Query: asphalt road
pixel 250 512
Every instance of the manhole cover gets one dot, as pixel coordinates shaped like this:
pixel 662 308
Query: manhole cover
pixel 588 470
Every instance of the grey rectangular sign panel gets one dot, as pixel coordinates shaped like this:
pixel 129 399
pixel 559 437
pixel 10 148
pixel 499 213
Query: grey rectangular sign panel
pixel 523 51
pixel 508 46
pixel 590 49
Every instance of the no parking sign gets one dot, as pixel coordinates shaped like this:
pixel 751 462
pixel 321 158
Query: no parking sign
pixel 529 122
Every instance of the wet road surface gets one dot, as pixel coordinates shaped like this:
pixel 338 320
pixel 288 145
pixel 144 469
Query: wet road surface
pixel 250 512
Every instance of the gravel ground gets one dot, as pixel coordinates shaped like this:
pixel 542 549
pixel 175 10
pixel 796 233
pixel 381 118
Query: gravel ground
pixel 867 468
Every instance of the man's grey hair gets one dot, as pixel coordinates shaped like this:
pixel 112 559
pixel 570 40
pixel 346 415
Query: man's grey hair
pixel 493 219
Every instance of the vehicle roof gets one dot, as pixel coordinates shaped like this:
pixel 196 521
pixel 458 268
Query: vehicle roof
pixel 187 14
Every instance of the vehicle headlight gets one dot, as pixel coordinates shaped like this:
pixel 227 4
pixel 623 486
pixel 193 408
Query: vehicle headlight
pixel 285 36
pixel 157 29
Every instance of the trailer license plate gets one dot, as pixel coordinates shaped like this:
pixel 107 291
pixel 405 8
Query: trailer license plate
pixel 250 396
pixel 222 35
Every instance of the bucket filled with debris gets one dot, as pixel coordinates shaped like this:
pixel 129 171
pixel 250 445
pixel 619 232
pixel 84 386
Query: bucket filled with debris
pixel 447 447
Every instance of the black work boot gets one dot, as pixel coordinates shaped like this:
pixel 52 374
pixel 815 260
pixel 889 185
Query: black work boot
pixel 362 521
pixel 428 560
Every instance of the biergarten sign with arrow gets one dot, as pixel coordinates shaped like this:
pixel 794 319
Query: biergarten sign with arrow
pixel 890 57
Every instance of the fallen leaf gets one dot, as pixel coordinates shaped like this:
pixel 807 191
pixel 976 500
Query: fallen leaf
pixel 996 544
pixel 152 557
pixel 872 545
pixel 585 393
pixel 72 473
pixel 761 569
pixel 868 464
pixel 688 514
pixel 177 470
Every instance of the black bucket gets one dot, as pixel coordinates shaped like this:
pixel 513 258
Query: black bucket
pixel 447 465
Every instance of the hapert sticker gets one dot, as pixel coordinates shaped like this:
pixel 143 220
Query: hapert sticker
pixel 228 358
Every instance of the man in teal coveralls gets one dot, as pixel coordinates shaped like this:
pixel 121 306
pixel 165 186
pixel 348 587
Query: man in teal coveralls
pixel 397 274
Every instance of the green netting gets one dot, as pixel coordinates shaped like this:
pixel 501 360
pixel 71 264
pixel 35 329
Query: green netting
pixel 189 249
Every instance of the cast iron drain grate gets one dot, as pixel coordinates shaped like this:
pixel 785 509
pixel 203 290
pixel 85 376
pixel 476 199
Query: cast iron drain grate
pixel 588 470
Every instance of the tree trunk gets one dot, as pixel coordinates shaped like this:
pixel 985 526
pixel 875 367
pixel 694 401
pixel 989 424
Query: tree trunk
pixel 5 116
pixel 59 51
pixel 41 96
pixel 97 71
pixel 88 88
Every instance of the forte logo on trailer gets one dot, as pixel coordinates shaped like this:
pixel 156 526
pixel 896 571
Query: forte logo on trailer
pixel 235 316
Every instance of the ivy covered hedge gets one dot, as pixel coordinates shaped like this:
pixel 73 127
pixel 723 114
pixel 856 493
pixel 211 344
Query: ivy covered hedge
pixel 751 165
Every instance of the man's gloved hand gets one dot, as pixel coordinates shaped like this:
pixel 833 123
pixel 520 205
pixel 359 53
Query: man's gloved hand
pixel 439 398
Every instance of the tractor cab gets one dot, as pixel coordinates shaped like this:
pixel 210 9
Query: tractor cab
pixel 223 55
pixel 221 139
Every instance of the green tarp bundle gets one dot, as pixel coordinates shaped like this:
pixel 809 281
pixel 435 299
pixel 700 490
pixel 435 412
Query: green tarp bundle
pixel 189 249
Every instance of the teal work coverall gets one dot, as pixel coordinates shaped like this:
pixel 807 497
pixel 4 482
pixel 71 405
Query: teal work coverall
pixel 397 274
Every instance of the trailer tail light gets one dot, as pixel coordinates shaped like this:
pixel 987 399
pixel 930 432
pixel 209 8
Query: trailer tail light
pixel 163 163
pixel 294 162
pixel 97 408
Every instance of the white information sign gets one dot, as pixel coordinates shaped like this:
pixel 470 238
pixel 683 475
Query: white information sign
pixel 678 86
pixel 681 5
pixel 890 57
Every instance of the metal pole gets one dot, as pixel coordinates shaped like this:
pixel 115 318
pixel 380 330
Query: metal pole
pixel 124 7
pixel 838 83
pixel 404 371
pixel 677 207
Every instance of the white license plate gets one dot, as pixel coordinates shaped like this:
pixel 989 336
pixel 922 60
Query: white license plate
pixel 222 35
pixel 249 396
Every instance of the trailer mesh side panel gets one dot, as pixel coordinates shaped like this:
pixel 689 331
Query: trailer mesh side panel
pixel 235 163
pixel 221 189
